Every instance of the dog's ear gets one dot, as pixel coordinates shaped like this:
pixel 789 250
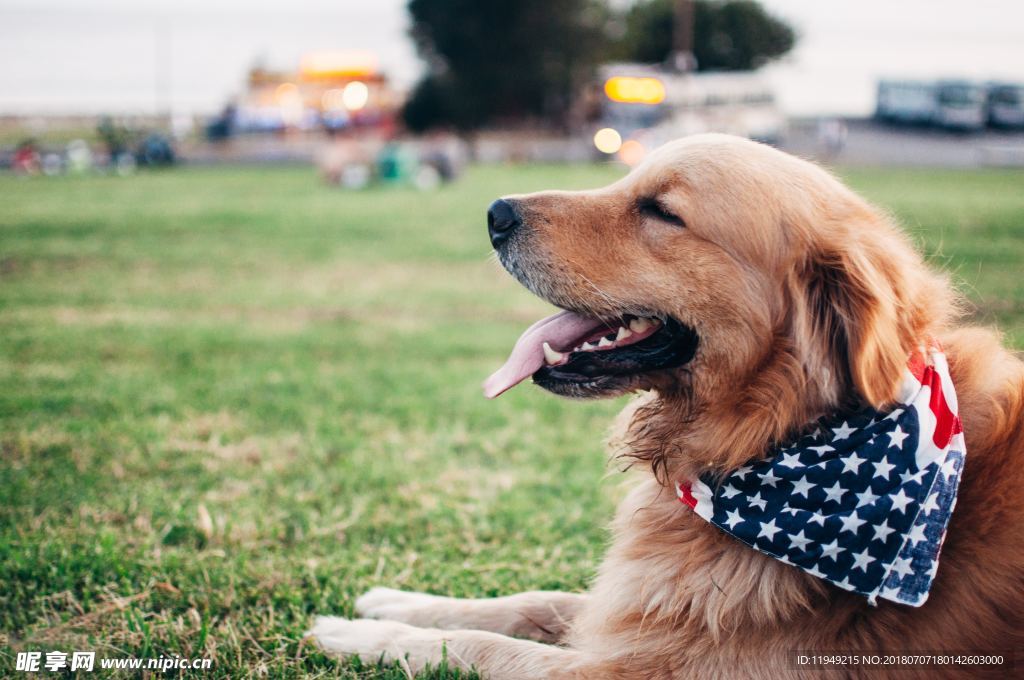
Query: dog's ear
pixel 855 299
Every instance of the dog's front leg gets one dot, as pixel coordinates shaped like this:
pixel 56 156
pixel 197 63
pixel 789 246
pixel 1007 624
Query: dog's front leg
pixel 539 615
pixel 494 656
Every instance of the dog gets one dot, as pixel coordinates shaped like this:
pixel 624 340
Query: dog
pixel 744 294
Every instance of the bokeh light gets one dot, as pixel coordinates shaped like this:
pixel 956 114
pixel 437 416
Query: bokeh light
pixel 632 152
pixel 355 95
pixel 607 140
pixel 635 90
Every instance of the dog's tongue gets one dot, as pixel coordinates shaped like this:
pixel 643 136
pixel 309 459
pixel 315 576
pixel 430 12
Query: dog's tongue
pixel 558 330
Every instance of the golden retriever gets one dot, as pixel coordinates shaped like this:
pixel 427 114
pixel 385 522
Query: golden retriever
pixel 767 294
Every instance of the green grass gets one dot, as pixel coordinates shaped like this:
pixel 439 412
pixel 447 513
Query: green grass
pixel 231 399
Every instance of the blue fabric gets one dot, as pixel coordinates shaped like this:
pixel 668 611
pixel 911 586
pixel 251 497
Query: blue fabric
pixel 846 503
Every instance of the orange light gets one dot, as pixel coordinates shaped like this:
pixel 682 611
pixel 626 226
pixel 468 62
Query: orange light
pixel 338 64
pixel 632 152
pixel 631 90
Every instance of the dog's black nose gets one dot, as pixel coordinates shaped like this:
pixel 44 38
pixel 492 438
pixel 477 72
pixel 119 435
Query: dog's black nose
pixel 502 220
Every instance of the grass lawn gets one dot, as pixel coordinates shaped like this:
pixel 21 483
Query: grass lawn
pixel 231 399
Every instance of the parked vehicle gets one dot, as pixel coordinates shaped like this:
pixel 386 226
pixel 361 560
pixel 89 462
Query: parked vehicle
pixel 1006 105
pixel 905 101
pixel 640 106
pixel 960 105
pixel 949 104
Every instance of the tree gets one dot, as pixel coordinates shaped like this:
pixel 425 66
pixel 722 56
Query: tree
pixel 502 61
pixel 733 35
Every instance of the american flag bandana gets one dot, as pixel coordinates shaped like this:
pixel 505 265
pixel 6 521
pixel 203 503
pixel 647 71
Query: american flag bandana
pixel 862 501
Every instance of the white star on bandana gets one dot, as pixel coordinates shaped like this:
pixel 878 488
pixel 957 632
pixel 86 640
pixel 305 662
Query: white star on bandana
pixel 843 431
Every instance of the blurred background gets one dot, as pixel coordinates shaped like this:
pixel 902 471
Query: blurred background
pixel 110 84
pixel 247 298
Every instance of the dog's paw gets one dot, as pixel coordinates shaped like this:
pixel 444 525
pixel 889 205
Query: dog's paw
pixel 371 641
pixel 395 605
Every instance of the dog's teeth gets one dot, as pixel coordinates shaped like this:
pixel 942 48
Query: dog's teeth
pixel 551 356
pixel 586 347
pixel 604 342
pixel 640 325
pixel 623 333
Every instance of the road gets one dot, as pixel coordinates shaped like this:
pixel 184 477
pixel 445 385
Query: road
pixel 871 143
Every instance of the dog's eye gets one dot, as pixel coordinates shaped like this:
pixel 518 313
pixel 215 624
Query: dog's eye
pixel 649 207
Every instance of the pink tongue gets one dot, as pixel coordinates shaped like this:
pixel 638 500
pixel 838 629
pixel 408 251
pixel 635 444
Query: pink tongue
pixel 527 356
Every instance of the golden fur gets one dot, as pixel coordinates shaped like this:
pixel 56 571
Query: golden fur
pixel 804 297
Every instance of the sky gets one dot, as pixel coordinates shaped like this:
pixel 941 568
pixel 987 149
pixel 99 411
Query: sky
pixel 91 56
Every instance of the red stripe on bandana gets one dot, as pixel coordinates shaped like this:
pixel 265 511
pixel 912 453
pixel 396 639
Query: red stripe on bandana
pixel 686 494
pixel 947 423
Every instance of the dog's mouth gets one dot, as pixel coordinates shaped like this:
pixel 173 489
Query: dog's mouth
pixel 582 356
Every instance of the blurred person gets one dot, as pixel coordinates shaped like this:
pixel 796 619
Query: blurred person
pixel 395 163
pixel 155 150
pixel 53 164
pixel 444 152
pixel 348 159
pixel 222 127
pixel 113 136
pixel 26 160
pixel 79 156
pixel 832 134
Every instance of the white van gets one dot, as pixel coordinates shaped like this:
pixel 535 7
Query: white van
pixel 950 104
pixel 1006 105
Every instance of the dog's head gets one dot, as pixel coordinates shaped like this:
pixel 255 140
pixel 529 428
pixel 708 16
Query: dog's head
pixel 746 287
